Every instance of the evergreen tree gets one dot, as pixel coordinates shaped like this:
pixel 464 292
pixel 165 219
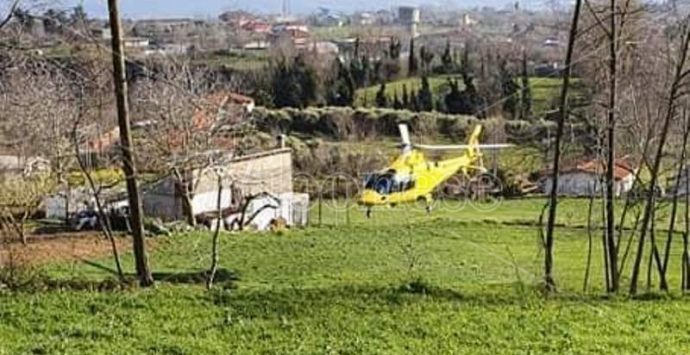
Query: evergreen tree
pixel 381 99
pixel 412 63
pixel 427 57
pixel 510 91
pixel 294 84
pixel 405 97
pixel 78 15
pixel 285 87
pixel 390 67
pixel 471 103
pixel 308 81
pixel 425 96
pixel 394 48
pixel 526 97
pixel 454 99
pixel 357 47
pixel 466 63
pixel 447 57
pixel 360 67
pixel 396 102
pixel 341 89
pixel 414 101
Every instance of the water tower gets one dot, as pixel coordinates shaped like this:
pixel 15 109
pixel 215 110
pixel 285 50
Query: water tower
pixel 409 16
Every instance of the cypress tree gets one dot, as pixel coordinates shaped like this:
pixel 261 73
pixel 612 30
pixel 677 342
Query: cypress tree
pixel 381 99
pixel 413 64
pixel 425 96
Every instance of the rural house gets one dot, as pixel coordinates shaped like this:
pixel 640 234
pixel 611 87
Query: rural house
pixel 15 166
pixel 584 178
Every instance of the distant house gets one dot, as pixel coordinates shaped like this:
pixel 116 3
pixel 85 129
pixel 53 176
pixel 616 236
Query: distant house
pixel 364 19
pixel 297 34
pixel 102 33
pixel 322 48
pixel 136 42
pixel 16 166
pixel 256 26
pixel 584 178
pixel 257 45
pixel 551 42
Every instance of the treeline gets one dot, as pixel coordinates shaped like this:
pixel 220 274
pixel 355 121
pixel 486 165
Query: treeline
pixel 480 83
pixel 344 123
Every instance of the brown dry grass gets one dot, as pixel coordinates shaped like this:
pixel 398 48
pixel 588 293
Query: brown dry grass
pixel 61 247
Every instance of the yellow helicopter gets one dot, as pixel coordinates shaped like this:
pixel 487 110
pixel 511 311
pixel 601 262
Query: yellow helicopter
pixel 412 178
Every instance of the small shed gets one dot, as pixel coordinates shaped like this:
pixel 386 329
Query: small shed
pixel 265 172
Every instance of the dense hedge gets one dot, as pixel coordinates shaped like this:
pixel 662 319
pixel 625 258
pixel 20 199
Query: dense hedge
pixel 344 123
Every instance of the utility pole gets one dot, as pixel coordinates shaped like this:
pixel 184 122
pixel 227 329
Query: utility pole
pixel 127 151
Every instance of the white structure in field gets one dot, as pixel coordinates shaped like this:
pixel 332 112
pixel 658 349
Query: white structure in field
pixel 266 172
pixel 293 208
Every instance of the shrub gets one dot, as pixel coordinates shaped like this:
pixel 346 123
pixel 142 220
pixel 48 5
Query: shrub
pixel 344 123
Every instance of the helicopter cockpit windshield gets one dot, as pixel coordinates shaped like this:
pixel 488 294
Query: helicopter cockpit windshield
pixel 388 182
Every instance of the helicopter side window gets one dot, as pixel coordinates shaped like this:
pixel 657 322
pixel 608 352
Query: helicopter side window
pixel 384 184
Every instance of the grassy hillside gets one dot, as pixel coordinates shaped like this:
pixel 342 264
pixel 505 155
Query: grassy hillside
pixel 459 281
pixel 544 90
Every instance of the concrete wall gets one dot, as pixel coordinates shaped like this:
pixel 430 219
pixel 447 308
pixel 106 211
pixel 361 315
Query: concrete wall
pixel 584 184
pixel 264 172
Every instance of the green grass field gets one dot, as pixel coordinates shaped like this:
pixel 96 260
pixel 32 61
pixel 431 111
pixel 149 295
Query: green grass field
pixel 463 280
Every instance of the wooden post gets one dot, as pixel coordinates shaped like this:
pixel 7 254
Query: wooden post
pixel 127 151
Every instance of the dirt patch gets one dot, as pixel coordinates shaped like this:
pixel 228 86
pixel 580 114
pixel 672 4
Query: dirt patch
pixel 62 247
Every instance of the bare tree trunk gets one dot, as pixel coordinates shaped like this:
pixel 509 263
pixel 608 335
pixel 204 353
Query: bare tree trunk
pixel 106 228
pixel 604 239
pixel 686 253
pixel 589 244
pixel 184 188
pixel 674 206
pixel 611 246
pixel 563 112
pixel 127 149
pixel 670 113
pixel 216 234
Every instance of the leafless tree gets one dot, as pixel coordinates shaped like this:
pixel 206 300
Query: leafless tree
pixel 553 195
pixel 676 91
pixel 186 117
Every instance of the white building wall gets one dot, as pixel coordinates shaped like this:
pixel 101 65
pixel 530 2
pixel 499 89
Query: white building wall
pixel 585 184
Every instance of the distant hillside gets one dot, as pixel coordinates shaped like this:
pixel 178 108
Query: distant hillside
pixel 210 8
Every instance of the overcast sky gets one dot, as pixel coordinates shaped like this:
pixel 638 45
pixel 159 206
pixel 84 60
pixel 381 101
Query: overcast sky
pixel 211 8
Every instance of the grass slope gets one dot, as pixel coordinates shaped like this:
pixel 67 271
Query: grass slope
pixel 459 281
pixel 544 91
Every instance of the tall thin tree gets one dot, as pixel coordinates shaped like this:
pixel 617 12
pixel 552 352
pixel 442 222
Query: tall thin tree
pixel 563 112
pixel 127 150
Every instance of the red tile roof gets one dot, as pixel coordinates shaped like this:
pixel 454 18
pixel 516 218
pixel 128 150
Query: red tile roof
pixel 623 168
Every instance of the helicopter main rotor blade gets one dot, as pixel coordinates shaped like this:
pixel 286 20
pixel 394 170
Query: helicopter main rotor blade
pixel 464 146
